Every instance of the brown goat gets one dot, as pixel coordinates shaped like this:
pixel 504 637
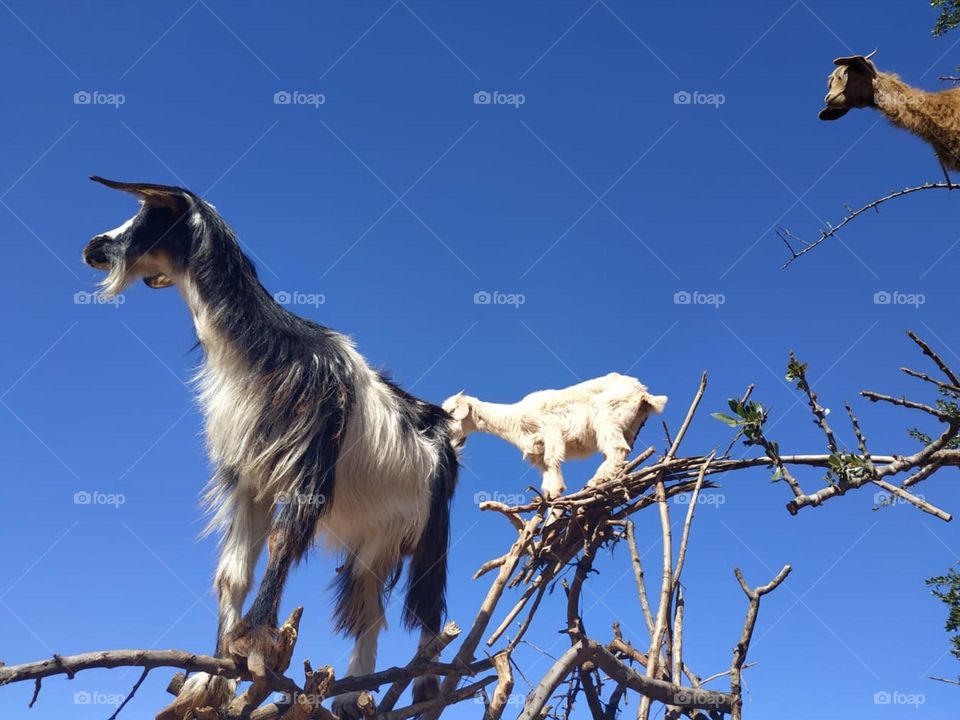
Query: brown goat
pixel 931 116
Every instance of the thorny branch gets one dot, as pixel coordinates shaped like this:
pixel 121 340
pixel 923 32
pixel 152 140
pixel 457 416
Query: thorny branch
pixel 798 247
pixel 557 542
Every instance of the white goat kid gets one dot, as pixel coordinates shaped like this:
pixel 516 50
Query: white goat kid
pixel 550 426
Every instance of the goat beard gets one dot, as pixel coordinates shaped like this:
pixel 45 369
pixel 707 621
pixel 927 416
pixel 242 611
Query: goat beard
pixel 116 280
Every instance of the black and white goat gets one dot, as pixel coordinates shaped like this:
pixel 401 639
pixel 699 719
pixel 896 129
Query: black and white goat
pixel 306 440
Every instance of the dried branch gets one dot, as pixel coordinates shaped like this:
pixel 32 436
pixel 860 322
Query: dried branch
pixel 501 694
pixel 790 238
pixel 638 577
pixel 584 522
pixel 424 654
pixel 743 645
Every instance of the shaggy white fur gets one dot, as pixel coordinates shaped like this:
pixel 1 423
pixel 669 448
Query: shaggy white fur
pixel 604 414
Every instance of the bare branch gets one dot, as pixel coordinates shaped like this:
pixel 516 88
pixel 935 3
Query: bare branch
pixel 786 236
pixel 743 645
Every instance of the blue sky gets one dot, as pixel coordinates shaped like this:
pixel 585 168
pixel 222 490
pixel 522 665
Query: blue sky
pixel 397 199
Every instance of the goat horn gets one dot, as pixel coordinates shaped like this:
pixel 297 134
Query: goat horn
pixel 142 189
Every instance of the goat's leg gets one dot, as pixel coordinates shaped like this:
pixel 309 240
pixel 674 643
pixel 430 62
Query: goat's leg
pixel 554 453
pixel 241 546
pixel 426 687
pixel 612 443
pixel 255 636
pixel 360 612
pixel 943 167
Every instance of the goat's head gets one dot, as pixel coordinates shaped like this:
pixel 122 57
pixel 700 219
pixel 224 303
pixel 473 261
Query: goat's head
pixel 460 409
pixel 154 244
pixel 849 86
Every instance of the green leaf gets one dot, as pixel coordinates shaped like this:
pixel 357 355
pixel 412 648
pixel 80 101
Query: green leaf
pixel 726 419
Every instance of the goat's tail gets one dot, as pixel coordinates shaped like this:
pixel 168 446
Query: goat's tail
pixel 425 604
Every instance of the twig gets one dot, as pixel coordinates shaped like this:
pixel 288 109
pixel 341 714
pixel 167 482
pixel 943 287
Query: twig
pixel 938 361
pixel 945 680
pixel 468 646
pixel 666 592
pixel 638 577
pixel 743 645
pixel 129 697
pixel 832 230
pixel 501 694
pixel 565 664
pixel 903 402
pixel 36 693
pixel 444 700
pixel 426 653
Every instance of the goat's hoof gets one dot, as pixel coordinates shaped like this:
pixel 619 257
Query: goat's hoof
pixel 345 706
pixel 262 648
pixel 199 697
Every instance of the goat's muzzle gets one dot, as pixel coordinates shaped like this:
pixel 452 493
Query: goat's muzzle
pixel 95 253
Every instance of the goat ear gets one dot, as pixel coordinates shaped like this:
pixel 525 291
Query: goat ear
pixel 158 281
pixel 829 113
pixel 861 62
pixel 460 410
pixel 656 403
pixel 148 192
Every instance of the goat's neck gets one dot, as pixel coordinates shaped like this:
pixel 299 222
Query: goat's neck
pixel 229 306
pixel 906 107
pixel 498 419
